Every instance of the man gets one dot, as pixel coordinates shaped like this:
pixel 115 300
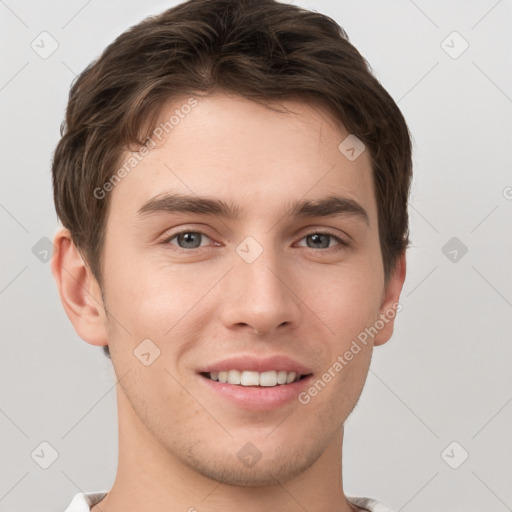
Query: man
pixel 232 183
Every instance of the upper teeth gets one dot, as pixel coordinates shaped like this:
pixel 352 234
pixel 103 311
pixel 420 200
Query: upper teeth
pixel 245 378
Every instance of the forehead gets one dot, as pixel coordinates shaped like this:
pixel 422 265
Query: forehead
pixel 245 153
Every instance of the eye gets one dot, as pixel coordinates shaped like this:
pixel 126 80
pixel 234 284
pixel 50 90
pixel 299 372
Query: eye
pixel 321 240
pixel 187 239
pixel 190 240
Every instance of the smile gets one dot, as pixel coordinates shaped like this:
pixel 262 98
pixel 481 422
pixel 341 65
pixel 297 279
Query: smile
pixel 250 378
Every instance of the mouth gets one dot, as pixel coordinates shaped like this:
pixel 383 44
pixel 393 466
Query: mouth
pixel 246 378
pixel 253 382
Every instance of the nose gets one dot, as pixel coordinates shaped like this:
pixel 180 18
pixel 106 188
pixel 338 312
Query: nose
pixel 258 297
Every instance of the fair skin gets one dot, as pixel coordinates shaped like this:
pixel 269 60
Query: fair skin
pixel 200 302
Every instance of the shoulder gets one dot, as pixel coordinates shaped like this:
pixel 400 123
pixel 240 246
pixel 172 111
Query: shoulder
pixel 369 504
pixel 82 502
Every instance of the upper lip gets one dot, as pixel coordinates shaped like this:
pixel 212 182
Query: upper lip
pixel 257 364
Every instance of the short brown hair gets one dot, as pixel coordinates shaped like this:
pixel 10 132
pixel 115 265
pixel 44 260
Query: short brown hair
pixel 262 50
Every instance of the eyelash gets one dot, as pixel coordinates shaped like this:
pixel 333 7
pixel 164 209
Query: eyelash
pixel 342 243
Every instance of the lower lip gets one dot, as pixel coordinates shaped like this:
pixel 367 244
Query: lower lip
pixel 257 397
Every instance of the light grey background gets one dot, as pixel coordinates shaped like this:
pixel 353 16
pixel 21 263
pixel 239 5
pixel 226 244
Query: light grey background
pixel 445 376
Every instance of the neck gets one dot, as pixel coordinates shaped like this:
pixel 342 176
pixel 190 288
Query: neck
pixel 151 477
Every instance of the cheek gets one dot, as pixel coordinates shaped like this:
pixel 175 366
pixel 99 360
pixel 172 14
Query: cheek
pixel 160 301
pixel 345 299
pixel 333 394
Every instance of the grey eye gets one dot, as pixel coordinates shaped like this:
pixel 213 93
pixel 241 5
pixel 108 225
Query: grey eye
pixel 188 239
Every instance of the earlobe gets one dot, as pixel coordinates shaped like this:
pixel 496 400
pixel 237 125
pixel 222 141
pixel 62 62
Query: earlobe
pixel 390 305
pixel 79 291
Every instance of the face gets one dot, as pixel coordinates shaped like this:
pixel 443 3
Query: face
pixel 276 286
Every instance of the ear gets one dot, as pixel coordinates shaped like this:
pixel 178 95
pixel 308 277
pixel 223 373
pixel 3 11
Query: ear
pixel 79 291
pixel 390 304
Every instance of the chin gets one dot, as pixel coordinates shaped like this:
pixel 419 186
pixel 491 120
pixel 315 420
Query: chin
pixel 264 469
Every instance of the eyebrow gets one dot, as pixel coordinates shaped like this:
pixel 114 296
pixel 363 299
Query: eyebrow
pixel 325 207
